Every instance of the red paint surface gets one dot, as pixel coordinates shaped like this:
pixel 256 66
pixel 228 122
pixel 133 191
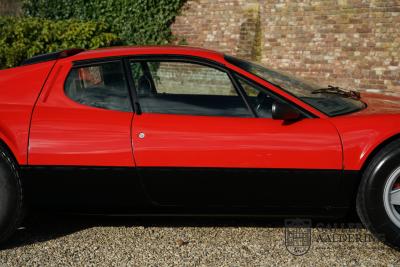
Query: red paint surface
pixel 198 141
pixel 19 89
pixel 64 132
pixel 67 133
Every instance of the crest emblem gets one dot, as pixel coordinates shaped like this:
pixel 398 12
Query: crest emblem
pixel 298 236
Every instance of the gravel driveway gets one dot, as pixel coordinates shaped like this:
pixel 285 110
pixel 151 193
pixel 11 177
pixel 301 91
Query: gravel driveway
pixel 77 240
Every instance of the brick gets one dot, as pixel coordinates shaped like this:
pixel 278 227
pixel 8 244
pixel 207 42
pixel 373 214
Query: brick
pixel 352 43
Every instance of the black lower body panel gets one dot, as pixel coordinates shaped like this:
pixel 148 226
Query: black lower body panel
pixel 83 189
pixel 191 191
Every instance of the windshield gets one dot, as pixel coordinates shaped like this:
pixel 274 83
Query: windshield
pixel 328 103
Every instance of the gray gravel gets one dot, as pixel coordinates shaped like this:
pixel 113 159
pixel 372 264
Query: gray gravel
pixel 105 241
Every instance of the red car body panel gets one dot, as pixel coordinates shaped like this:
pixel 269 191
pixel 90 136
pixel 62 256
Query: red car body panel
pixel 19 90
pixel 379 104
pixel 66 133
pixel 361 135
pixel 201 141
pixel 362 132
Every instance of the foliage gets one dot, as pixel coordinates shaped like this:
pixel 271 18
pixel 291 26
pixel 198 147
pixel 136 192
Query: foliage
pixel 22 38
pixel 137 22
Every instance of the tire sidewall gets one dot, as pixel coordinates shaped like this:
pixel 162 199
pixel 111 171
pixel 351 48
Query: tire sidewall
pixel 378 174
pixel 10 197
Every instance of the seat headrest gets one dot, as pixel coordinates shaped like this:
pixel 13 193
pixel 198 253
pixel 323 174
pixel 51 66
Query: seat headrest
pixel 144 86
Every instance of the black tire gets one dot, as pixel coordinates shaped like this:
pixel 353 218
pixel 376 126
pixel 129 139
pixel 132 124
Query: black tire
pixel 370 197
pixel 11 197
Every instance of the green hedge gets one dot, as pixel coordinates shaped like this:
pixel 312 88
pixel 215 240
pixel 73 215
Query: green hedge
pixel 137 22
pixel 22 38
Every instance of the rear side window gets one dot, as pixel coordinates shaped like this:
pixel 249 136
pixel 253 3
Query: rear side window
pixel 101 86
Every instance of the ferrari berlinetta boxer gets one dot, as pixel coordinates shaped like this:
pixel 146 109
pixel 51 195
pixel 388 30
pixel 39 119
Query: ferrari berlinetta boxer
pixel 186 131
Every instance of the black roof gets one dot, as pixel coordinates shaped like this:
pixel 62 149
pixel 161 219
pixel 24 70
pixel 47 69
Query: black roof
pixel 52 56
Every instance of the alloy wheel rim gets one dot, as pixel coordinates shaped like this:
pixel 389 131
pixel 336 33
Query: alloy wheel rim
pixel 391 197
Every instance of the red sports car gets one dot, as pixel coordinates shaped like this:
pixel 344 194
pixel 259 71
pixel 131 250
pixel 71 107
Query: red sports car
pixel 179 130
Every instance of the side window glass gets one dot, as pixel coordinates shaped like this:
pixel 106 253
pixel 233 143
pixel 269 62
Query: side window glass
pixel 171 87
pixel 260 101
pixel 102 86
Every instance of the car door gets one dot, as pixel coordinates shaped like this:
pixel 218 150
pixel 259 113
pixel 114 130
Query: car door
pixel 201 140
pixel 80 136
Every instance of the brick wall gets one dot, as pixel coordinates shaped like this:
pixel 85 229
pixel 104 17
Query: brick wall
pixel 351 43
pixel 187 78
pixel 10 7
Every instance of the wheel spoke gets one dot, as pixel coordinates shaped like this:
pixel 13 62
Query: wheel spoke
pixel 395 197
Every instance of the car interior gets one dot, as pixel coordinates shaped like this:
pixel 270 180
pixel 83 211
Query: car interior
pixel 110 91
pixel 194 104
pixel 197 104
pixel 104 86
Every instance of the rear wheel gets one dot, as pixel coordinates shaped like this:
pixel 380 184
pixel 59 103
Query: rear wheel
pixel 11 197
pixel 378 199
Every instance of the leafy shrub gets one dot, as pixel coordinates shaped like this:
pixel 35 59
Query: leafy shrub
pixel 137 22
pixel 22 38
